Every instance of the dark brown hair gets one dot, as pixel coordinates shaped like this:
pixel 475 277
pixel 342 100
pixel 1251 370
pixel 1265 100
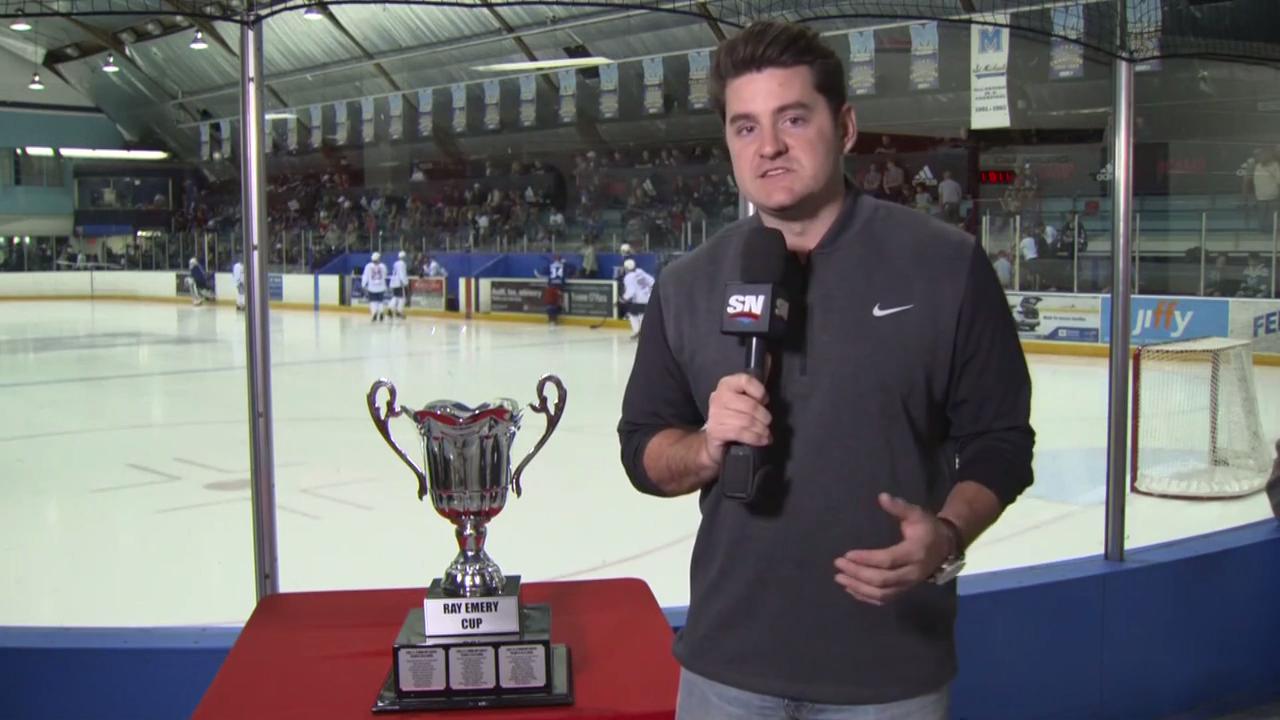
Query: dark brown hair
pixel 771 44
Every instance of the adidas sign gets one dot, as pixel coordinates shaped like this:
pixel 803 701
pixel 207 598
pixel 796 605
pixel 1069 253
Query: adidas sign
pixel 925 177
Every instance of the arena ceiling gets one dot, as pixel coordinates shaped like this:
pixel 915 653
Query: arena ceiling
pixel 350 50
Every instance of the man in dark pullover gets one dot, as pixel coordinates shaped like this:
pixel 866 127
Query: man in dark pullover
pixel 895 416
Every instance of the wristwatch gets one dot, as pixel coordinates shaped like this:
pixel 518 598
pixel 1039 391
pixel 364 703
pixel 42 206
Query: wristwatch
pixel 954 563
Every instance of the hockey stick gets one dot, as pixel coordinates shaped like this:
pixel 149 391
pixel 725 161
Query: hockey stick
pixel 603 319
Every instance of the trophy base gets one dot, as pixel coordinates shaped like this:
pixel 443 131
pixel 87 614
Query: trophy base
pixel 559 693
pixel 522 668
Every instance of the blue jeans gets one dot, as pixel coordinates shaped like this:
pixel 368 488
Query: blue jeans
pixel 703 699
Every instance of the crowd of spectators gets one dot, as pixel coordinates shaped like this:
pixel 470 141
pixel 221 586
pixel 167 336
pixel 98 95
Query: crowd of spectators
pixel 644 196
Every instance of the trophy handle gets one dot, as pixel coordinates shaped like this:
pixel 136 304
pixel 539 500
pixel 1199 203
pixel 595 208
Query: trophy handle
pixel 382 420
pixel 553 419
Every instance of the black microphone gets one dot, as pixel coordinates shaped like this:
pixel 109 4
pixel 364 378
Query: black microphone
pixel 755 307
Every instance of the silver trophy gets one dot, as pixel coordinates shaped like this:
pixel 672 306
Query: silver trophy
pixel 468 470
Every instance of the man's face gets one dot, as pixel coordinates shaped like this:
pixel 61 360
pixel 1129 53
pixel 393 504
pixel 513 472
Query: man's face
pixel 784 142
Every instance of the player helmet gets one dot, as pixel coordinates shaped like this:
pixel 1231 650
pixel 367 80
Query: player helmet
pixel 375 257
pixel 628 264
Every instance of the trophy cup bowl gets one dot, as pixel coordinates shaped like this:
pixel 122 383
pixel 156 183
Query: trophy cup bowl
pixel 467 460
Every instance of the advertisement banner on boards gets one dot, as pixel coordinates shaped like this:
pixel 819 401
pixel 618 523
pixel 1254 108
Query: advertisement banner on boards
pixel 1259 321
pixel 1164 319
pixel 1073 318
pixel 426 293
pixel 518 296
pixel 515 295
pixel 592 299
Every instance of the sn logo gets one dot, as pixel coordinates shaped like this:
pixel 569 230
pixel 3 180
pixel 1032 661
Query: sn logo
pixel 745 307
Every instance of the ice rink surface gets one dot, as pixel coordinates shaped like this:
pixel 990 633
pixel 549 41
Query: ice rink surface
pixel 124 481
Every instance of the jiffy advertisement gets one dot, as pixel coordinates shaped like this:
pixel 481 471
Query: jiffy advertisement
pixel 1164 319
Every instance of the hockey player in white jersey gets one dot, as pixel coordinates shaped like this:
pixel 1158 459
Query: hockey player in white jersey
pixel 374 282
pixel 399 284
pixel 237 278
pixel 637 285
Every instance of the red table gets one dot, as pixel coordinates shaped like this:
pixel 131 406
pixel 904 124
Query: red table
pixel 326 654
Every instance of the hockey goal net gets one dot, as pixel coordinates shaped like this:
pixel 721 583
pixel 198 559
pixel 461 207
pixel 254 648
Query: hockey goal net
pixel 1196 427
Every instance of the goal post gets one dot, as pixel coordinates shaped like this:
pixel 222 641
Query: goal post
pixel 1197 432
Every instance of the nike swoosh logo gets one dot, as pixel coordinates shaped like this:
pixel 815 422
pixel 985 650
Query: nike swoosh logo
pixel 877 312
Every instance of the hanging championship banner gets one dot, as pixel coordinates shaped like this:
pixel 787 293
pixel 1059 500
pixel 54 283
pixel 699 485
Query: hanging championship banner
pixel 568 95
pixel 528 101
pixel 492 98
pixel 1066 54
pixel 206 153
pixel 989 75
pixel 425 98
pixel 291 132
pixel 609 91
pixel 699 69
pixel 924 56
pixel 395 109
pixel 226 148
pixel 459 107
pixel 273 132
pixel 1145 25
pixel 317 128
pixel 653 77
pixel 367 125
pixel 862 62
pixel 341 122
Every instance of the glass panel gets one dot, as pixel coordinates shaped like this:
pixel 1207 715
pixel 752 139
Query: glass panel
pixel 1207 187
pixel 484 180
pixel 491 181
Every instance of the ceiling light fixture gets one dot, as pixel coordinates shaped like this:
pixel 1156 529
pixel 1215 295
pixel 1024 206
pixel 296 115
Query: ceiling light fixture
pixel 197 42
pixel 558 64
pixel 313 13
pixel 110 65
pixel 90 154
pixel 20 24
pixel 35 82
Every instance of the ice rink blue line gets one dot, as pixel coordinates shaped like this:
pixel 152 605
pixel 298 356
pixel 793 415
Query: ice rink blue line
pixel 275 364
pixel 77 432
